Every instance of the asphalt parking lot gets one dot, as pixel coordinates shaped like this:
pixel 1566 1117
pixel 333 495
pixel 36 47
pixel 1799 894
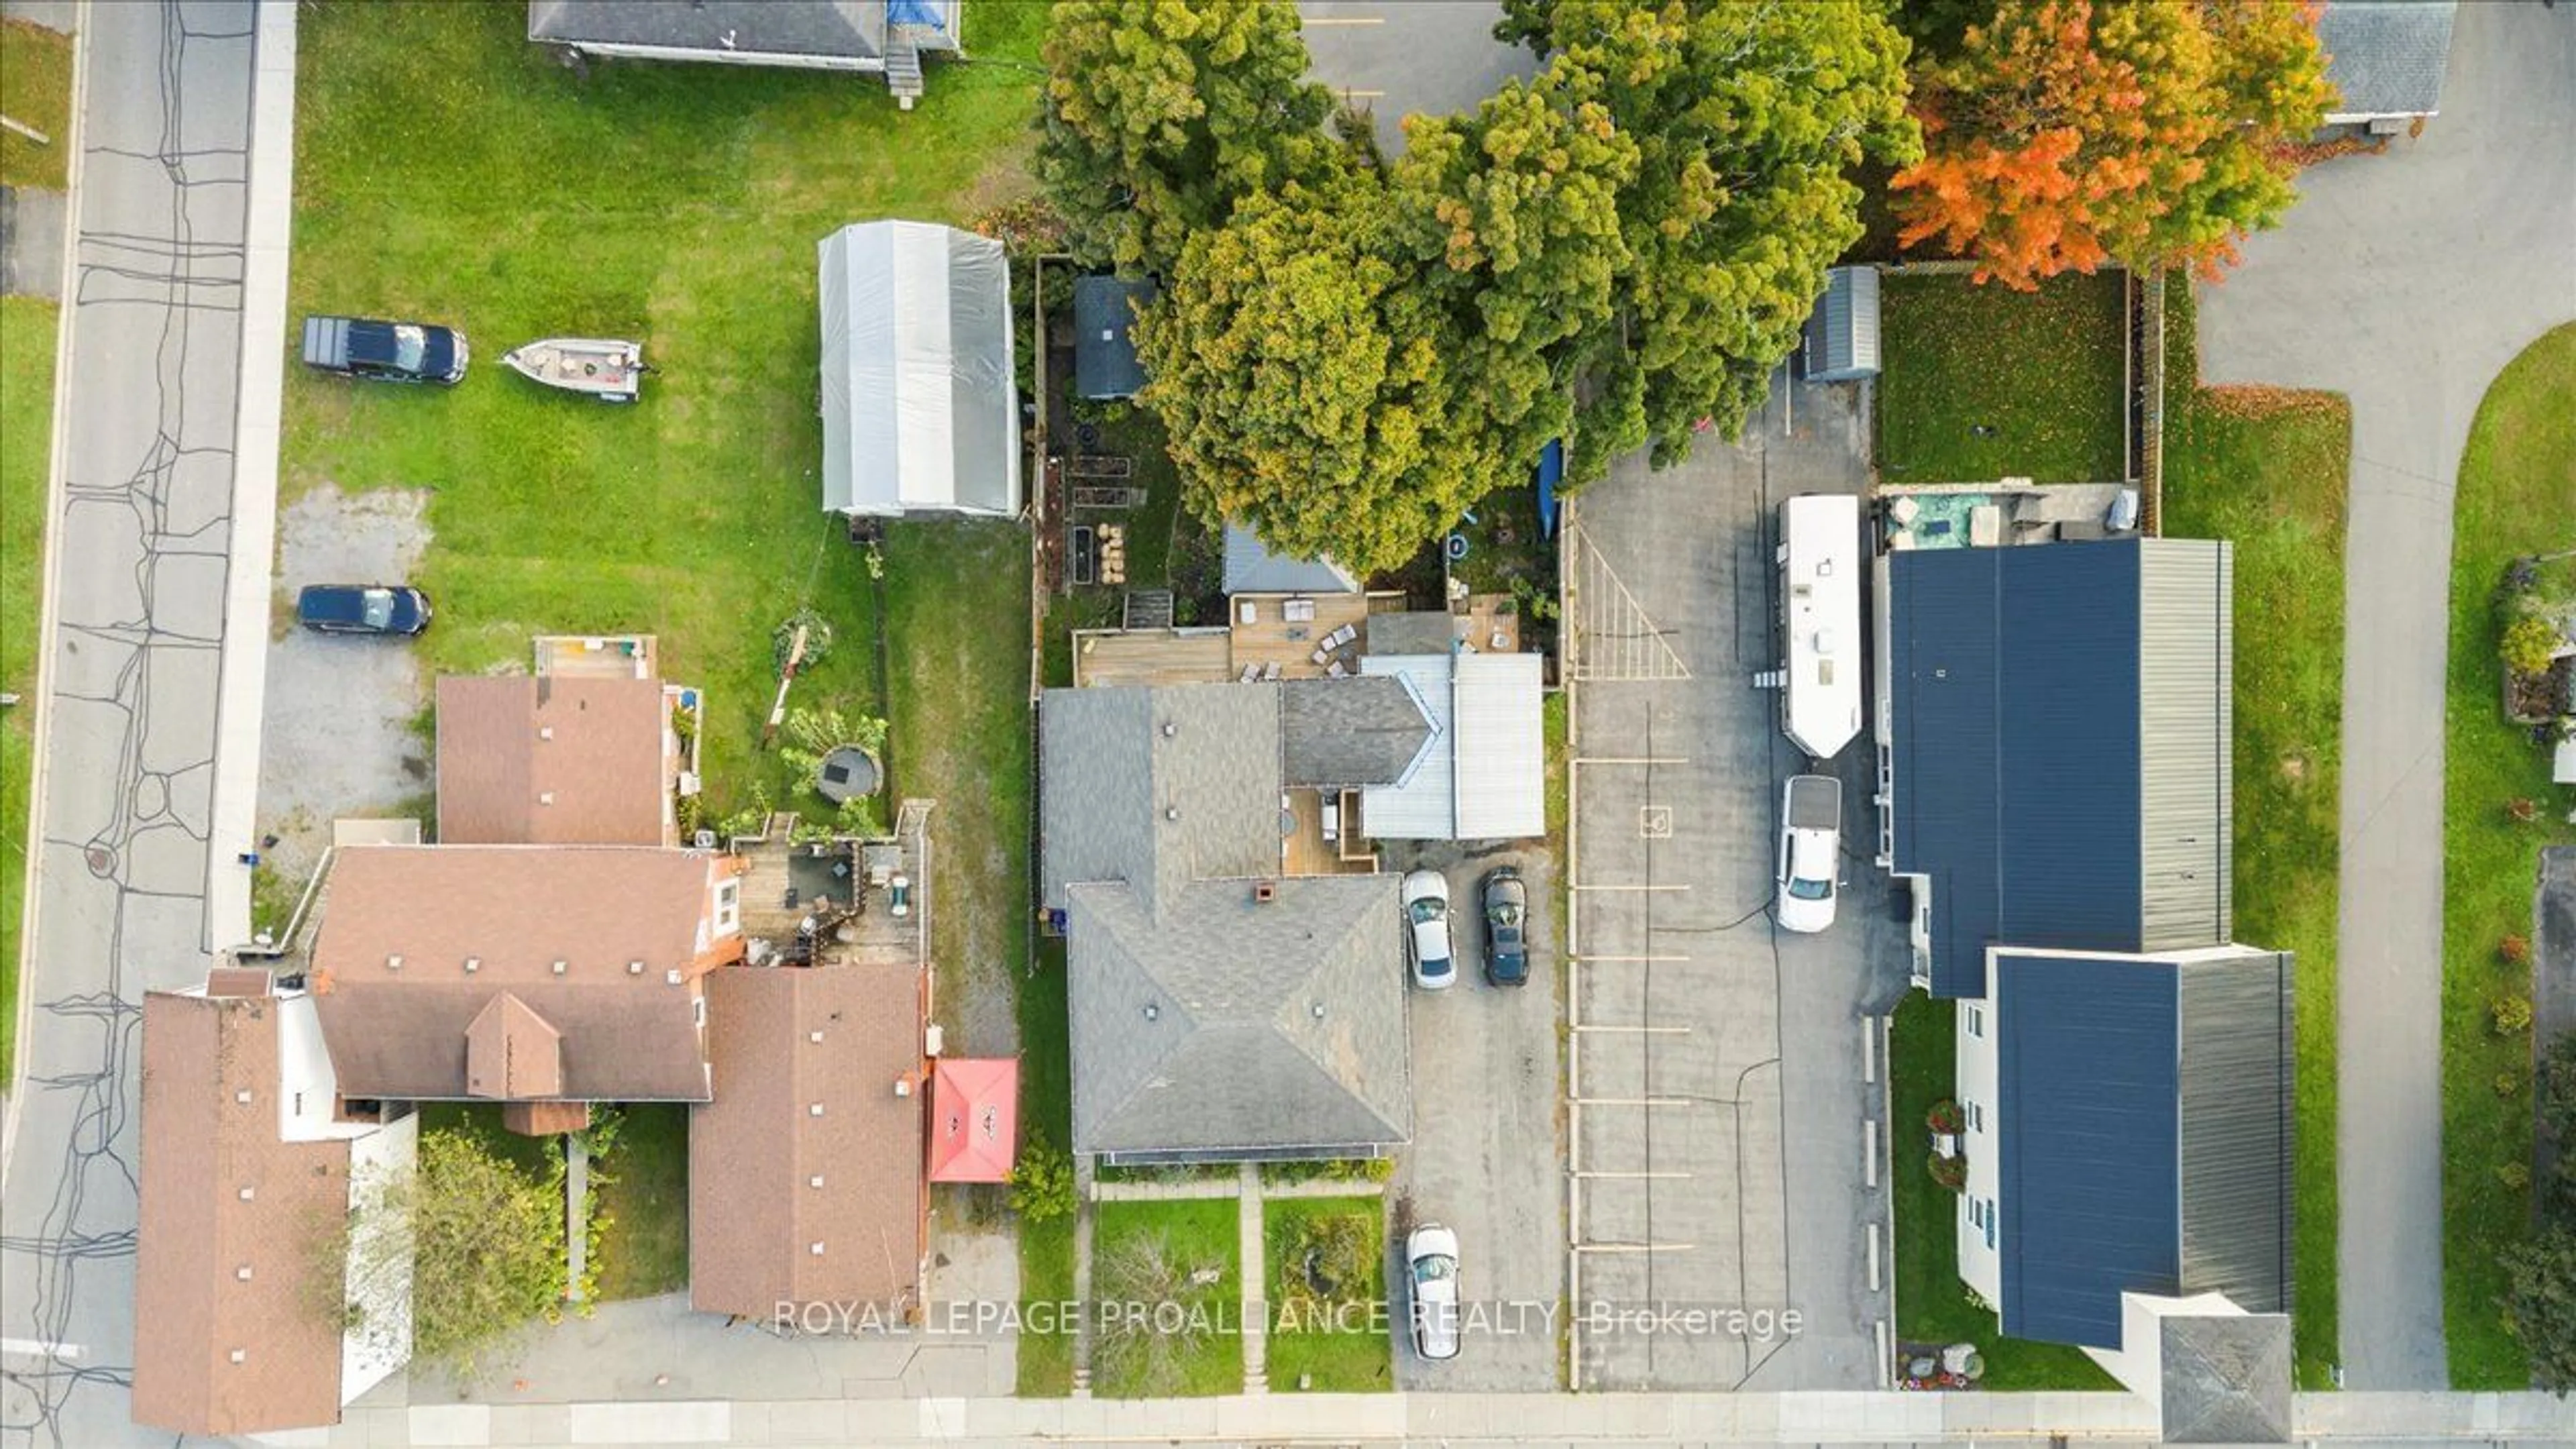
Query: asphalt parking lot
pixel 1394 57
pixel 1718 1136
pixel 1487 1156
pixel 336 736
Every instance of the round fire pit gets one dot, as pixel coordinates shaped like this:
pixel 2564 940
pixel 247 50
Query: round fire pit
pixel 848 773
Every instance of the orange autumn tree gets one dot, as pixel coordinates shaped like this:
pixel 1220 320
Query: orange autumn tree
pixel 2065 134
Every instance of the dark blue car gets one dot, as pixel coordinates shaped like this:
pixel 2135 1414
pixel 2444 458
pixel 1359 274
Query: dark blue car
pixel 362 609
pixel 388 351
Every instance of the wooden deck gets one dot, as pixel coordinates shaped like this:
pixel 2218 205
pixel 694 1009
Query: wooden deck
pixel 1151 656
pixel 598 656
pixel 1308 853
pixel 1262 633
pixel 1494 624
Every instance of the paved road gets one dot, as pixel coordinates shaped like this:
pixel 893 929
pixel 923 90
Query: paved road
pixel 1723 1145
pixel 2408 281
pixel 126 799
pixel 1392 58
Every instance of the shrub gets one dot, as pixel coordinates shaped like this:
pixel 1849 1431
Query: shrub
pixel 2528 645
pixel 684 723
pixel 1950 1172
pixel 2507 1083
pixel 2510 1014
pixel 1042 1185
pixel 2514 1176
pixel 1945 1117
pixel 2514 950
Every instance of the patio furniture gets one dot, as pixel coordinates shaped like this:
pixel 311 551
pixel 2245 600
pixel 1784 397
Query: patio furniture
pixel 1322 654
pixel 1296 611
pixel 1270 672
pixel 1248 612
pixel 1250 673
pixel 1336 671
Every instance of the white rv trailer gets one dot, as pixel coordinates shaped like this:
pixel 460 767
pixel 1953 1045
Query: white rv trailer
pixel 1820 654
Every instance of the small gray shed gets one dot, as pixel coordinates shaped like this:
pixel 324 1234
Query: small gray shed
pixel 1842 333
pixel 1104 343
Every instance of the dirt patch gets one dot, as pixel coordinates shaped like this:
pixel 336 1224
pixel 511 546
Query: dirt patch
pixel 337 734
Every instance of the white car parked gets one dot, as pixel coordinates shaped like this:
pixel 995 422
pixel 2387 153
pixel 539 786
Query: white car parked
pixel 1811 844
pixel 1431 1275
pixel 1426 930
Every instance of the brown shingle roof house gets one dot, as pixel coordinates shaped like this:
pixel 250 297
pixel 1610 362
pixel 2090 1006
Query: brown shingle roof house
pixel 243 1163
pixel 554 760
pixel 805 1171
pixel 523 973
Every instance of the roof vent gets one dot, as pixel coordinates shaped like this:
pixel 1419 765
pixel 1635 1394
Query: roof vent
pixel 1171 812
pixel 1318 1009
pixel 634 968
pixel 545 732
pixel 1153 1012
pixel 816 1249
pixel 248 1193
pixel 1170 730
pixel 671 977
pixel 559 968
pixel 242 1273
pixel 815 1181
pixel 242 1096
pixel 546 797
pixel 393 963
pixel 240 1355
pixel 814 1036
pixel 815 1110
pixel 903 1085
pixel 473 963
pixel 1265 891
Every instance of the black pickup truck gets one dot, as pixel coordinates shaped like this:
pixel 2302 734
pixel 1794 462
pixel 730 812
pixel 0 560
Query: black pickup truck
pixel 388 351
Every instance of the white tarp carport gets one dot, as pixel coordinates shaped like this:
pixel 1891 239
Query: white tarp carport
pixel 919 410
pixel 1485 775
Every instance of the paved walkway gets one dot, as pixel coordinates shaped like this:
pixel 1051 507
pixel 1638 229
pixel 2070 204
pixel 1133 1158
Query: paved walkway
pixel 2407 281
pixel 1253 1265
pixel 1452 1419
pixel 157 612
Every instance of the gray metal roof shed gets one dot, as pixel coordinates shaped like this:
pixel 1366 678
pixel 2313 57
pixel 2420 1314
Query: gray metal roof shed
pixel 920 410
pixel 2061 720
pixel 2385 57
pixel 1842 333
pixel 1251 568
pixel 1104 343
pixel 2143 1115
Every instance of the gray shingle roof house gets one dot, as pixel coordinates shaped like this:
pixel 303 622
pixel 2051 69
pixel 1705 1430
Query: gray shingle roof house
pixel 1104 344
pixel 1219 1010
pixel 2385 57
pixel 880 37
pixel 2226 1378
pixel 2056 722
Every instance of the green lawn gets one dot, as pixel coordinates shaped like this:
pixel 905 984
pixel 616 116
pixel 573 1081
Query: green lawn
pixel 448 169
pixel 26 436
pixel 1931 1303
pixel 1172 1240
pixel 2040 370
pixel 1046 1105
pixel 2268 469
pixel 1337 1340
pixel 642 1186
pixel 36 91
pixel 2514 498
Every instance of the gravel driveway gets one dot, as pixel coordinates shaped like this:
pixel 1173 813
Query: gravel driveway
pixel 336 734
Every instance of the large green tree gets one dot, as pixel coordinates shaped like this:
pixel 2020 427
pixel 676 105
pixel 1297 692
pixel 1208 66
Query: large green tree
pixel 1747 118
pixel 478 1243
pixel 1509 218
pixel 1161 114
pixel 1303 379
pixel 2063 134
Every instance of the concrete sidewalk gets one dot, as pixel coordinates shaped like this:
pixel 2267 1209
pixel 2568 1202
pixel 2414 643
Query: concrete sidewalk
pixel 1454 1419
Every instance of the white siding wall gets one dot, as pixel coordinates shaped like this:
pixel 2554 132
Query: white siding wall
pixel 1980 1267
pixel 308 1092
pixel 387 1153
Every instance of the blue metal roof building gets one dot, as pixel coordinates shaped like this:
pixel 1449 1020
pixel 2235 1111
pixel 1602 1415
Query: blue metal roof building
pixel 2058 758
pixel 2144 1122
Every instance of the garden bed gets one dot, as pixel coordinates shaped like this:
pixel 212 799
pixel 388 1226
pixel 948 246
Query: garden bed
pixel 1327 1290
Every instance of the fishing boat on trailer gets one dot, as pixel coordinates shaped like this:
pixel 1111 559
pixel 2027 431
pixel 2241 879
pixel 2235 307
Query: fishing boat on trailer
pixel 609 370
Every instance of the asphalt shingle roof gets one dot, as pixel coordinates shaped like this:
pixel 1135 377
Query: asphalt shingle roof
pixel 2386 56
pixel 1347 733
